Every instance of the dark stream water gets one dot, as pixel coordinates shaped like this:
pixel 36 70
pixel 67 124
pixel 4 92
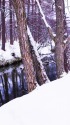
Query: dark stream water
pixel 13 83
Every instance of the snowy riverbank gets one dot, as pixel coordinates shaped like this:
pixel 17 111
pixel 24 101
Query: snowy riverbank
pixel 11 54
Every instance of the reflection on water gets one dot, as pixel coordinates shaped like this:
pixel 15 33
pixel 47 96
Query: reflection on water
pixel 12 83
pixel 51 71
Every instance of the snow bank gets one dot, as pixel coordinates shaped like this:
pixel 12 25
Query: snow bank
pixel 6 56
pixel 46 105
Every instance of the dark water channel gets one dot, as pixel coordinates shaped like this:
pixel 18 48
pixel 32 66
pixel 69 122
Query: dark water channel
pixel 13 83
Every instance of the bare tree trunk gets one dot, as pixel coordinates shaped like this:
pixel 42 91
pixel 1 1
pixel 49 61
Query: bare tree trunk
pixel 67 55
pixel 59 37
pixel 0 19
pixel 3 24
pixel 11 32
pixel 65 24
pixel 24 46
pixel 38 66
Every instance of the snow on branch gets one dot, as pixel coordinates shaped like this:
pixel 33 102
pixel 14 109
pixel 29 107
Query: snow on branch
pixel 33 43
pixel 44 19
pixel 37 60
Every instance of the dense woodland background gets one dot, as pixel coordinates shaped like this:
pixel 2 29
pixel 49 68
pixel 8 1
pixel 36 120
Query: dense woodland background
pixel 48 22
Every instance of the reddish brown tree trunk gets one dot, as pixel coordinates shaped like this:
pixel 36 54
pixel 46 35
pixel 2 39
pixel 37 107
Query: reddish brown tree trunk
pixel 24 46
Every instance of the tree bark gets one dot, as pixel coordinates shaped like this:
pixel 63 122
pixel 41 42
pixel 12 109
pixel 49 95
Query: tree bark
pixel 38 66
pixel 10 21
pixel 59 37
pixel 0 19
pixel 3 25
pixel 24 46
pixel 67 55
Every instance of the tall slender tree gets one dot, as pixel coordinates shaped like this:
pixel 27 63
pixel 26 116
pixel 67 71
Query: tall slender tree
pixel 0 19
pixel 65 23
pixel 24 46
pixel 59 37
pixel 11 31
pixel 3 24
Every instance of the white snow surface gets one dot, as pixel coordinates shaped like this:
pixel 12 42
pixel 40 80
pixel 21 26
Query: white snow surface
pixel 67 9
pixel 6 56
pixel 46 105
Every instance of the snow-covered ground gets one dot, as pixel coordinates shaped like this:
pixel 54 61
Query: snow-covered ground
pixel 67 5
pixel 46 105
pixel 6 56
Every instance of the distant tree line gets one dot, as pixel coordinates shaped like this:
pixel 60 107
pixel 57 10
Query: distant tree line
pixel 7 23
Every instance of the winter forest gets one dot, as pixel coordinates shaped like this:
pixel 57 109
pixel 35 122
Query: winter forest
pixel 35 60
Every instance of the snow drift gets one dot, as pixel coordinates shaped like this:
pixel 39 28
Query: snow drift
pixel 46 105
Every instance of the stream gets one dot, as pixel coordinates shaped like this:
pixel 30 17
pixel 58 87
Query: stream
pixel 13 83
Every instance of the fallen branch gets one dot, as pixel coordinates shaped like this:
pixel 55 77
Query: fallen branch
pixel 39 69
